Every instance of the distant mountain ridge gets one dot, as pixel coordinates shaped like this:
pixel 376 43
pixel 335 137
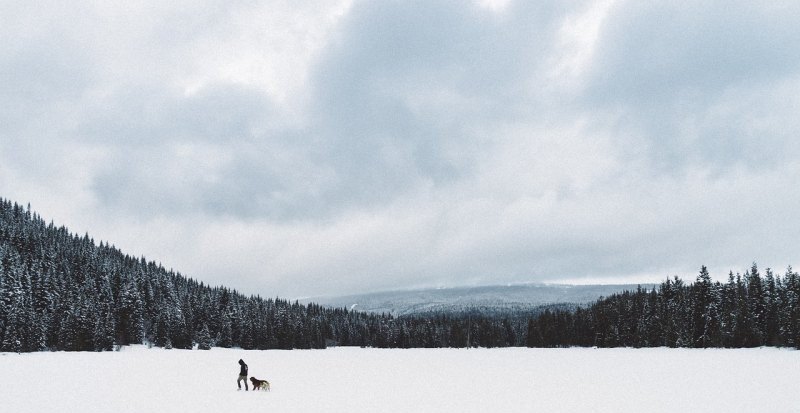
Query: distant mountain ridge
pixel 499 298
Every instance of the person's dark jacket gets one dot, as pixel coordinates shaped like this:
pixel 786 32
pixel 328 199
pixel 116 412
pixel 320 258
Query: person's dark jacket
pixel 243 370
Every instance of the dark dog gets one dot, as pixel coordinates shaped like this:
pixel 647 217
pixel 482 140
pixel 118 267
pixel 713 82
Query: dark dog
pixel 259 384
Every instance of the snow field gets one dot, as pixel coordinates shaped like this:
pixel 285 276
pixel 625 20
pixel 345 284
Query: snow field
pixel 138 380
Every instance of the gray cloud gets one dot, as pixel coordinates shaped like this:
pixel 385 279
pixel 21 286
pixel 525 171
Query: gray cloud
pixel 651 52
pixel 405 93
pixel 681 72
pixel 342 147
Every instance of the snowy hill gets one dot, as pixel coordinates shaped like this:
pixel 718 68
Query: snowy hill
pixel 487 299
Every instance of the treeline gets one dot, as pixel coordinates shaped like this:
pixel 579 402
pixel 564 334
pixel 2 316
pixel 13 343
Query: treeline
pixel 749 310
pixel 60 291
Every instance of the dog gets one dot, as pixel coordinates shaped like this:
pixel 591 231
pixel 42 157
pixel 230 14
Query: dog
pixel 259 384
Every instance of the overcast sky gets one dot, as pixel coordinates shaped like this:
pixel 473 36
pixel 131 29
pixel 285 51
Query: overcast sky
pixel 300 148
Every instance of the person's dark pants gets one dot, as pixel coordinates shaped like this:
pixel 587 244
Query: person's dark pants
pixel 239 383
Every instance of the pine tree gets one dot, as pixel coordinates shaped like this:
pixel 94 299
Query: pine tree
pixel 728 312
pixel 105 325
pixel 130 313
pixel 225 340
pixel 204 338
pixel 771 302
pixel 19 319
pixel 756 307
pixel 6 299
pixel 790 309
pixel 744 334
pixel 705 315
pixel 104 331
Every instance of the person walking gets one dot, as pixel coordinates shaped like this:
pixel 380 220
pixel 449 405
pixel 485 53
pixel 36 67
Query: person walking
pixel 242 375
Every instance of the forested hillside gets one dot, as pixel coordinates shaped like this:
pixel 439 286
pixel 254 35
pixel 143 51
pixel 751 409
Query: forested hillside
pixel 60 291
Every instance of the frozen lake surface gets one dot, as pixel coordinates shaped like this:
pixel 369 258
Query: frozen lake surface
pixel 143 380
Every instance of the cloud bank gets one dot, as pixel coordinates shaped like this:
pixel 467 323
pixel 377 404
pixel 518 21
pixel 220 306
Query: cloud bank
pixel 295 149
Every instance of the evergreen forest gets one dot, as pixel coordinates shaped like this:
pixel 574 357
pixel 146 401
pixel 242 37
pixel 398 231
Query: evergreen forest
pixel 61 291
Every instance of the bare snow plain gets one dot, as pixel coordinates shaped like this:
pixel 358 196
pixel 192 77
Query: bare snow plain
pixel 137 379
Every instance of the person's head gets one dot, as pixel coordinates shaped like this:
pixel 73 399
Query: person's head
pixel 241 361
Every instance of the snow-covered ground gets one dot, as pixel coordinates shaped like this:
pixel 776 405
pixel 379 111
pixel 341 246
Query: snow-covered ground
pixel 140 380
